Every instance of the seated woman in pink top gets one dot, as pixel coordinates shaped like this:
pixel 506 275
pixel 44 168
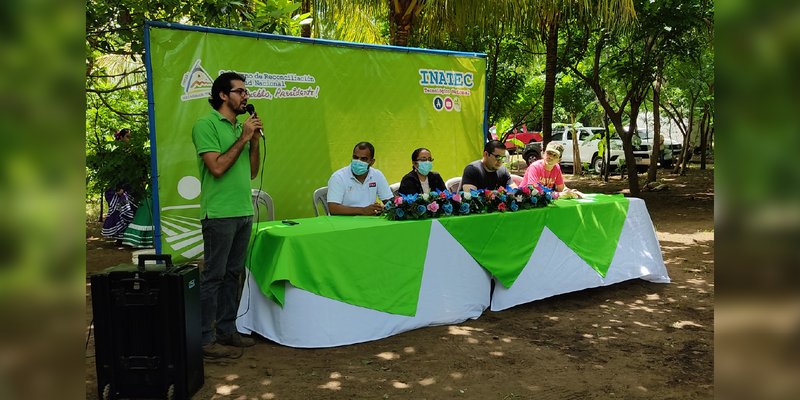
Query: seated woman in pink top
pixel 547 172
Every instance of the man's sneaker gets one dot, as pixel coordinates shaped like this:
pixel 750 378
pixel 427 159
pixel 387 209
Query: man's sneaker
pixel 215 350
pixel 235 340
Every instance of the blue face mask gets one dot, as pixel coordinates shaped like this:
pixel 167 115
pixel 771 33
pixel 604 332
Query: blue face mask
pixel 359 167
pixel 424 167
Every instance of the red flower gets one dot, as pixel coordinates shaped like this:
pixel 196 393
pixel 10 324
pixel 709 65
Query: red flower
pixel 501 207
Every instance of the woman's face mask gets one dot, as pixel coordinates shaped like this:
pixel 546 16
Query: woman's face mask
pixel 424 167
pixel 359 167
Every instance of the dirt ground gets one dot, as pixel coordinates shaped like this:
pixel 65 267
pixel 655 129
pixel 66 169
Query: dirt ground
pixel 633 340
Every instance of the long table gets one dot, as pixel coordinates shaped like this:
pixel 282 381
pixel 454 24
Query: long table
pixel 333 280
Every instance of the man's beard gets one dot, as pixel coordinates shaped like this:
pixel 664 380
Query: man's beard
pixel 241 109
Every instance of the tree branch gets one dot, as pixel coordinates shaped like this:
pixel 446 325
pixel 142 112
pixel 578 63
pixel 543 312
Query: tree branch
pixel 99 91
pixel 122 114
pixel 125 73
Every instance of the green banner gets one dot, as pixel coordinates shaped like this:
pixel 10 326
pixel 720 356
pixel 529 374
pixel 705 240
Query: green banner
pixel 317 100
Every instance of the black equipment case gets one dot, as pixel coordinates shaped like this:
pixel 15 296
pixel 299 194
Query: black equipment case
pixel 147 330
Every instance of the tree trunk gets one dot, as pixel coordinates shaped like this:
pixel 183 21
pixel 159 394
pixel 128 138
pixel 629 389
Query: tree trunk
pixel 551 60
pixel 633 169
pixel 593 80
pixel 616 119
pixel 576 151
pixel 492 83
pixel 680 166
pixel 606 154
pixel 657 139
pixel 704 129
pixel 401 39
pixel 305 30
pixel 401 19
pixel 630 159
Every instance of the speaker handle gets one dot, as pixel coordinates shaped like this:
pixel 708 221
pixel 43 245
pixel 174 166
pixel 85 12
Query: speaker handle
pixel 167 258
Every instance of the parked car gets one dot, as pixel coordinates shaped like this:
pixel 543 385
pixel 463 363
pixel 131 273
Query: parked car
pixel 670 151
pixel 523 135
pixel 588 140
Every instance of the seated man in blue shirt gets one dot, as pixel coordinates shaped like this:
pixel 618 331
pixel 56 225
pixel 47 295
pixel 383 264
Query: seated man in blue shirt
pixel 354 190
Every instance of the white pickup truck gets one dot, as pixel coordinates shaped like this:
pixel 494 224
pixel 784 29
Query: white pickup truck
pixel 670 151
pixel 588 140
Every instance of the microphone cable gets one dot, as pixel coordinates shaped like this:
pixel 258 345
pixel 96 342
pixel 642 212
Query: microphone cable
pixel 256 215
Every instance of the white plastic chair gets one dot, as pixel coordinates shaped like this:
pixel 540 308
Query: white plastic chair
pixel 516 179
pixel 453 184
pixel 320 196
pixel 395 187
pixel 263 209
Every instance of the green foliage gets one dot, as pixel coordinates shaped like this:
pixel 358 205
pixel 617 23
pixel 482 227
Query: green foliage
pixel 513 86
pixel 573 97
pixel 115 78
pixel 675 33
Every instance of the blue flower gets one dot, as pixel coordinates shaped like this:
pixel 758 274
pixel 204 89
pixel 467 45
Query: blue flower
pixel 399 212
pixel 544 188
pixel 514 206
pixel 421 209
pixel 448 208
pixel 464 208
pixel 502 197
pixel 410 198
pixel 534 199
pixel 474 192
pixel 548 196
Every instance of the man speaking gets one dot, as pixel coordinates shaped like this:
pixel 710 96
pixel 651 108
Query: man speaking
pixel 228 159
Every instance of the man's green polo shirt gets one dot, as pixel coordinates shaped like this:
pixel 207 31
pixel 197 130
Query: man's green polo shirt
pixel 228 195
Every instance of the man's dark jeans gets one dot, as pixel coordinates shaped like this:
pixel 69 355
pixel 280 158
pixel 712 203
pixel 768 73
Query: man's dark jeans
pixel 225 246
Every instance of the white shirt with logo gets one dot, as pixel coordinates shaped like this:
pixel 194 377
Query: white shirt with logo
pixel 345 189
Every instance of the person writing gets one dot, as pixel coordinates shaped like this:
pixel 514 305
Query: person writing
pixel 227 158
pixel 488 172
pixel 354 190
pixel 421 179
pixel 547 172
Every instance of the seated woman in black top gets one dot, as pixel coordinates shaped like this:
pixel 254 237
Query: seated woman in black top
pixel 421 179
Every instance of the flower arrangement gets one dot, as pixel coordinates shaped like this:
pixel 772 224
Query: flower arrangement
pixel 444 204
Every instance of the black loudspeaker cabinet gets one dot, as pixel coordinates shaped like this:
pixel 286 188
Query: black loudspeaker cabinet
pixel 147 330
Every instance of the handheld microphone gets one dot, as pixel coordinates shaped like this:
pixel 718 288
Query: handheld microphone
pixel 251 109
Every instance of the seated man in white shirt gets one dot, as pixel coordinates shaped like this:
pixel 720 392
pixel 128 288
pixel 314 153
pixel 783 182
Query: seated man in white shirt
pixel 354 189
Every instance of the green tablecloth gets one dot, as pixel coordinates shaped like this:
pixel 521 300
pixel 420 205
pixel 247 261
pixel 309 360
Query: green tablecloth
pixel 364 261
pixel 503 242
pixel 375 263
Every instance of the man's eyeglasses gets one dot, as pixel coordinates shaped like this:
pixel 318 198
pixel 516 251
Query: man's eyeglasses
pixel 424 159
pixel 499 158
pixel 240 92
